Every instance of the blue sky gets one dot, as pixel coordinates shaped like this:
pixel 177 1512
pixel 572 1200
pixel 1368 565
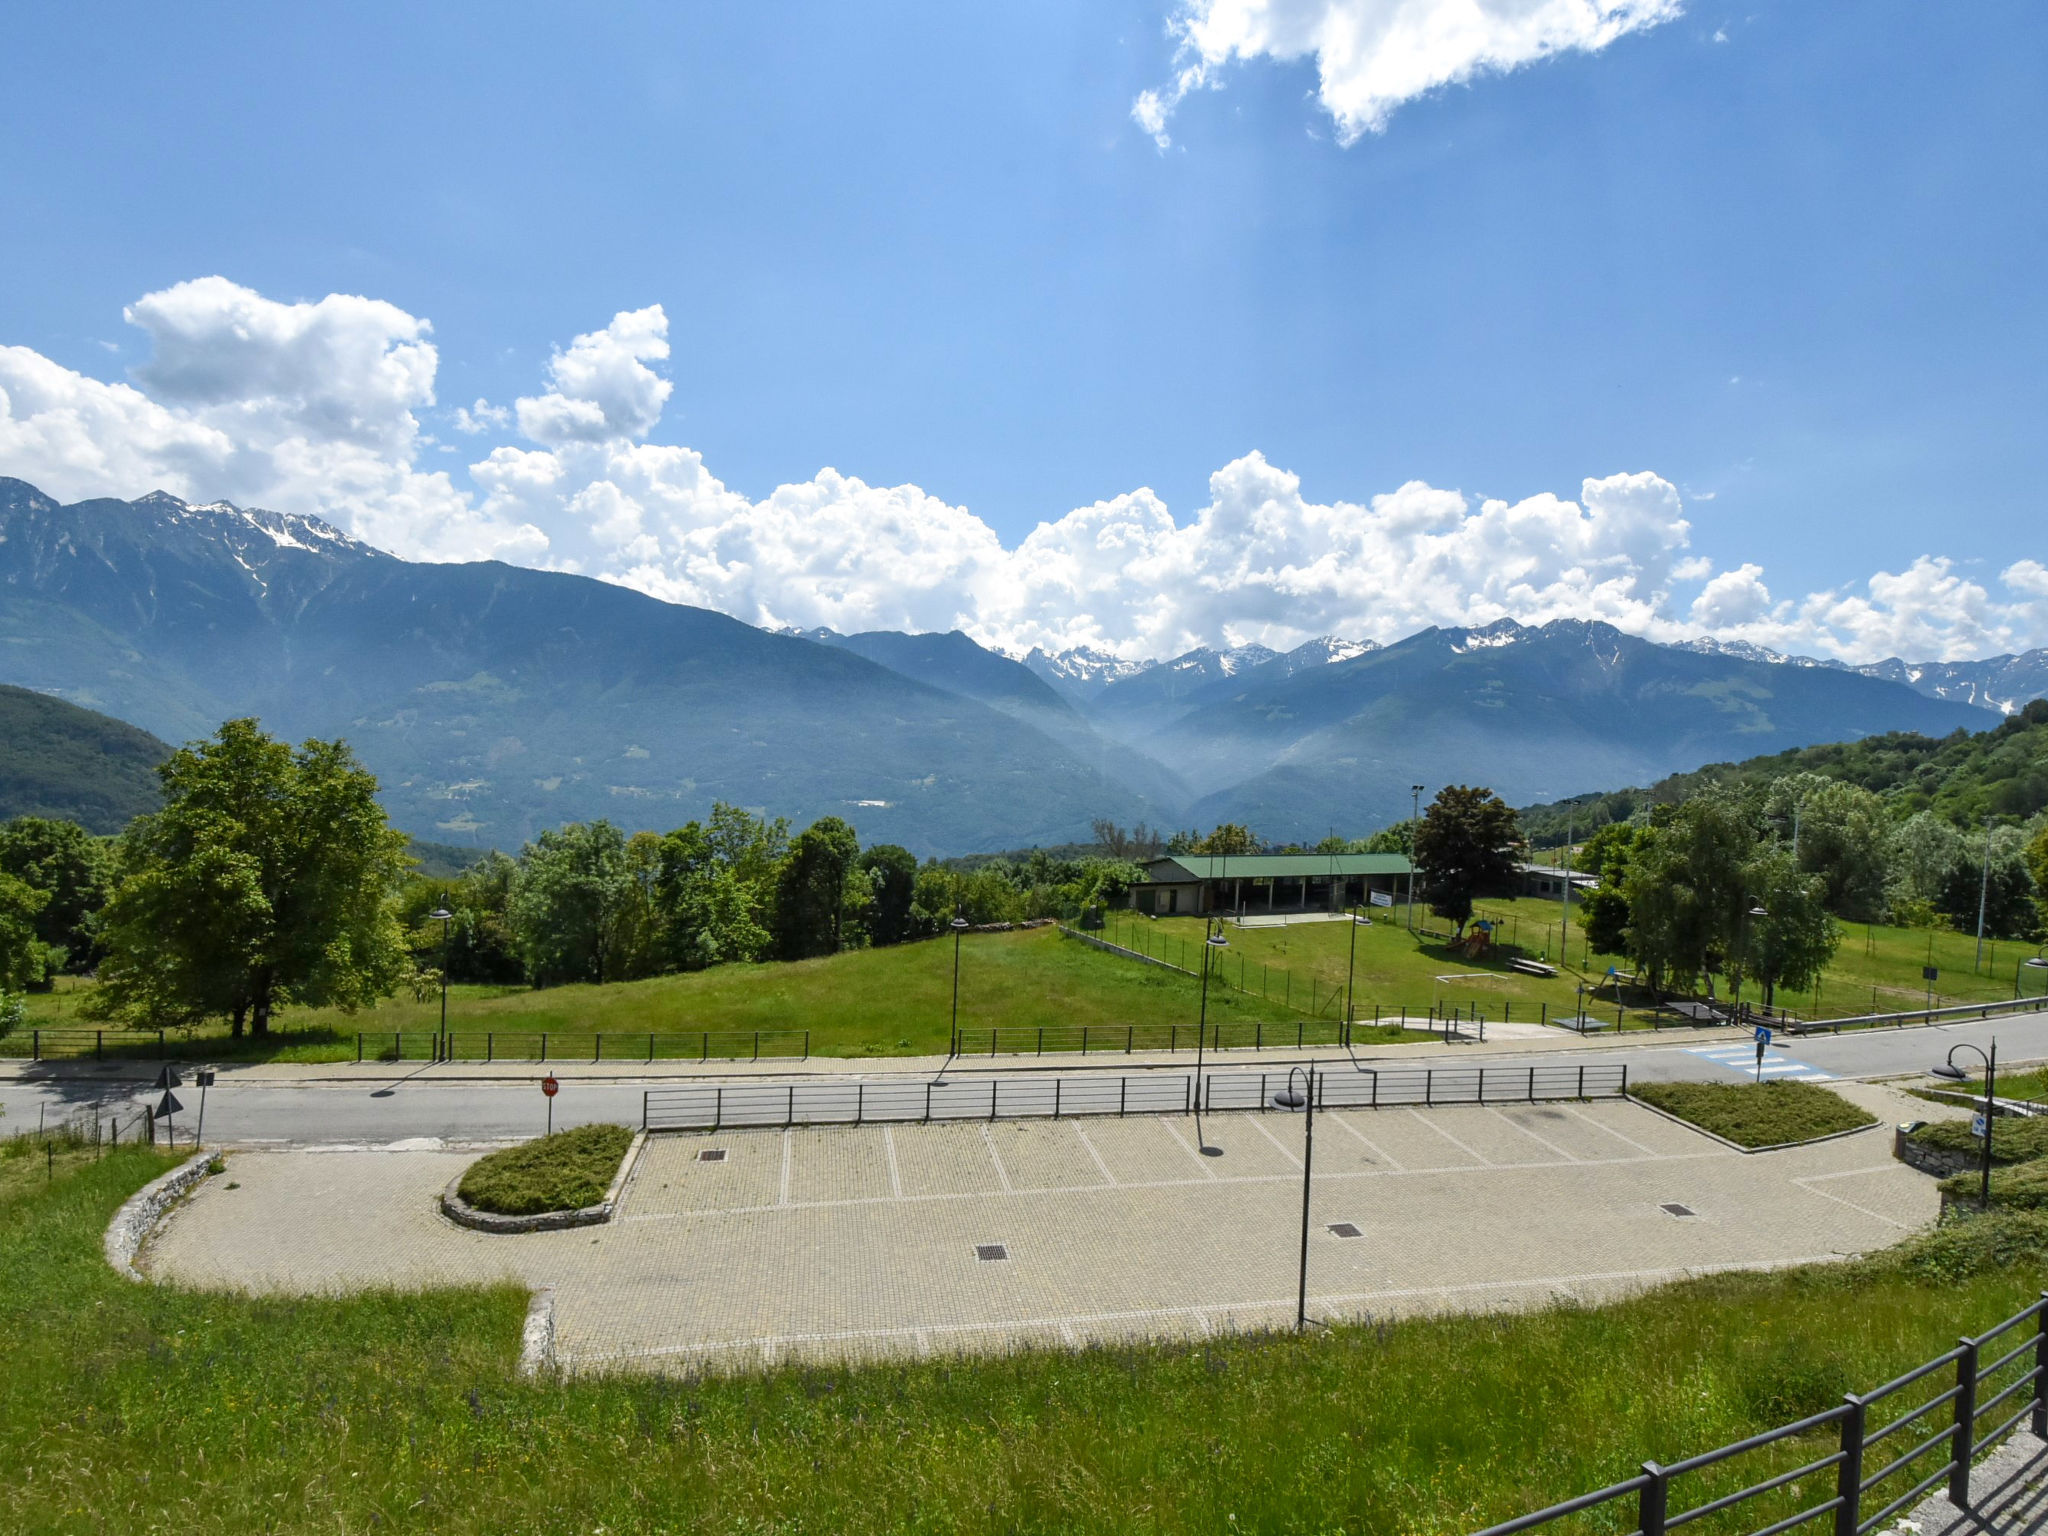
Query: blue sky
pixel 1784 258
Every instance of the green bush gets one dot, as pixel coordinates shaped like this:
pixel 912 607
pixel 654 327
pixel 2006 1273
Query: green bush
pixel 2013 1140
pixel 1757 1114
pixel 562 1172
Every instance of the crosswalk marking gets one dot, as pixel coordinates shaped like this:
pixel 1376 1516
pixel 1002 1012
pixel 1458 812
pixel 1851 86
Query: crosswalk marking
pixel 1742 1058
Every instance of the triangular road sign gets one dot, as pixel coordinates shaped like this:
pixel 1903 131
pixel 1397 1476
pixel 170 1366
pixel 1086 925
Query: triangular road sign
pixel 169 1079
pixel 167 1105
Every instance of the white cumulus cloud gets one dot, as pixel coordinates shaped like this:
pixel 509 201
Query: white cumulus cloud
pixel 603 386
pixel 314 407
pixel 1373 55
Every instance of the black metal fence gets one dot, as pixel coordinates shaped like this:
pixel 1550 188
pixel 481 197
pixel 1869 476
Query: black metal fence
pixel 716 1106
pixel 1235 1035
pixel 74 1044
pixel 1860 1499
pixel 585 1045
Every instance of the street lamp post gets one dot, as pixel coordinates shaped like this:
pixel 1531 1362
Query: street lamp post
pixel 1413 822
pixel 1747 914
pixel 1954 1073
pixel 2036 963
pixel 959 926
pixel 1350 970
pixel 1304 1100
pixel 1210 945
pixel 442 916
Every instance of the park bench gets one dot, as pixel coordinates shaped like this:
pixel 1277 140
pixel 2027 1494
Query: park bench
pixel 1531 967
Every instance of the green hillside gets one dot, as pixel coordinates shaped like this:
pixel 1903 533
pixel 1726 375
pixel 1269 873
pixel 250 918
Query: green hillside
pixel 61 761
pixel 1962 777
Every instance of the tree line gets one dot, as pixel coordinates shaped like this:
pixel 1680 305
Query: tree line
pixel 271 878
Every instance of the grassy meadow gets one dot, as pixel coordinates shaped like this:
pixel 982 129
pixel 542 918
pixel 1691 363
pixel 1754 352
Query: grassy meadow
pixel 869 1002
pixel 139 1408
pixel 1757 1114
pixel 897 1001
pixel 1876 968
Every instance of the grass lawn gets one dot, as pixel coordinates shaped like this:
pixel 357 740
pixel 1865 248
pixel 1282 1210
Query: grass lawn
pixel 133 1408
pixel 1875 969
pixel 869 1002
pixel 562 1172
pixel 1757 1114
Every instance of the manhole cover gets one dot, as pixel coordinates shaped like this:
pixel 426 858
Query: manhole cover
pixel 711 1155
pixel 988 1253
pixel 1672 1208
pixel 1345 1229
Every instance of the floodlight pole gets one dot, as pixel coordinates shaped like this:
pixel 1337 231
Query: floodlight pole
pixel 444 915
pixel 1414 822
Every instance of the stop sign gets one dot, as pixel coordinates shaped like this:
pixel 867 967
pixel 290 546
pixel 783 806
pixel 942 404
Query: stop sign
pixel 549 1086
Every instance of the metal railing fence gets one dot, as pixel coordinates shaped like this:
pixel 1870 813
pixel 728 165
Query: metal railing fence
pixel 585 1045
pixel 1997 1010
pixel 1223 1035
pixel 1778 1496
pixel 722 1106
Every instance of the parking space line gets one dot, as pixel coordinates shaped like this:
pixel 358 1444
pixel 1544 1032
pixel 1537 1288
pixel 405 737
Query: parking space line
pixel 895 1178
pixel 1201 1162
pixel 787 1139
pixel 996 1157
pixel 1143 1185
pixel 1610 1130
pixel 1370 1145
pixel 1541 1141
pixel 1810 1180
pixel 1107 1176
pixel 1447 1136
pixel 1260 1126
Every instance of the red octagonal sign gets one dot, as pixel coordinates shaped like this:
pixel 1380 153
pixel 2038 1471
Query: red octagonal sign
pixel 549 1086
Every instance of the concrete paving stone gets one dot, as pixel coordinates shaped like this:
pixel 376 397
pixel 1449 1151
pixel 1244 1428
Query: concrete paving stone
pixel 1492 1136
pixel 1563 1134
pixel 838 1163
pixel 1416 1139
pixel 1044 1154
pixel 941 1160
pixel 1645 1129
pixel 709 1270
pixel 1147 1149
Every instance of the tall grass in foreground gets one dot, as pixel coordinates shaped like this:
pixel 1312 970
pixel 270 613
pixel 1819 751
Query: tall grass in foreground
pixel 126 1408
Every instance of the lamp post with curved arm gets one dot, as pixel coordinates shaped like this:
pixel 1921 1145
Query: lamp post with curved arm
pixel 442 915
pixel 1303 1099
pixel 1954 1073
pixel 1210 945
pixel 1351 969
pixel 959 926
pixel 2034 963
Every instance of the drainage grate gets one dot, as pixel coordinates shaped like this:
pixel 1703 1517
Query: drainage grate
pixel 1346 1229
pixel 1672 1208
pixel 988 1253
pixel 711 1155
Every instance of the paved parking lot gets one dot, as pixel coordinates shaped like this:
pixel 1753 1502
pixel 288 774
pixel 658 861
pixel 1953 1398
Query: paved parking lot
pixel 847 1242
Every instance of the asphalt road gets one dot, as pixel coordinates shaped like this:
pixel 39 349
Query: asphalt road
pixel 393 1103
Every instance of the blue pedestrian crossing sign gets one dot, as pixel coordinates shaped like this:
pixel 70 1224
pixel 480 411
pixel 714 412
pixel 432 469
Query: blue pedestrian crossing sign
pixel 1977 1126
pixel 1763 1034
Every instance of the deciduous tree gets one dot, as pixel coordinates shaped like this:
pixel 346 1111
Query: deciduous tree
pixel 264 881
pixel 1468 844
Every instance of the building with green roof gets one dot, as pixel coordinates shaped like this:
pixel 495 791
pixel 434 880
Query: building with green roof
pixel 1256 884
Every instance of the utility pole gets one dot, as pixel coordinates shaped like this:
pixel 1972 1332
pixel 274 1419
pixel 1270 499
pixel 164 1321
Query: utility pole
pixel 1983 898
